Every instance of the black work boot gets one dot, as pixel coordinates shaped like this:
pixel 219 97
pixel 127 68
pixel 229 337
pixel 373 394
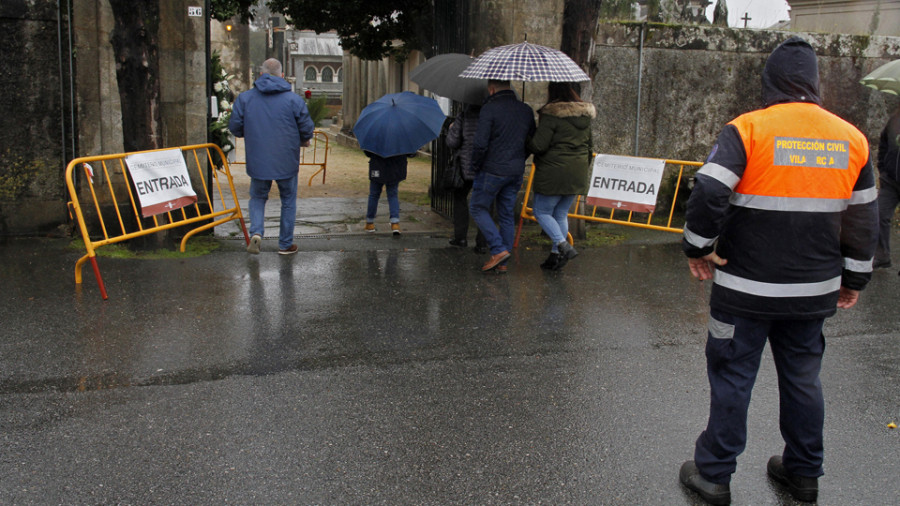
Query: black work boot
pixel 802 488
pixel 713 493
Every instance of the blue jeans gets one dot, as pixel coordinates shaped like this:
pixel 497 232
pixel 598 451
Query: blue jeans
pixel 551 212
pixel 393 200
pixel 733 351
pixel 486 189
pixel 259 195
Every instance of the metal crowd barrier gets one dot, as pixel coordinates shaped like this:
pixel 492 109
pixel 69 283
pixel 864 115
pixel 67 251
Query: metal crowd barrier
pixel 316 154
pixel 609 215
pixel 113 208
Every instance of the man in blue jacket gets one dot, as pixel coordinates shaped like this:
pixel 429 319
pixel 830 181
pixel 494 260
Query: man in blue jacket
pixel 498 161
pixel 275 124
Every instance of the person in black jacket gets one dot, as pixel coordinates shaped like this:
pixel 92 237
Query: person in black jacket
pixel 889 187
pixel 385 173
pixel 459 138
pixel 783 219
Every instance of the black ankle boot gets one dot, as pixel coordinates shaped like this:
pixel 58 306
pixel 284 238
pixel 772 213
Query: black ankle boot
pixel 551 262
pixel 566 250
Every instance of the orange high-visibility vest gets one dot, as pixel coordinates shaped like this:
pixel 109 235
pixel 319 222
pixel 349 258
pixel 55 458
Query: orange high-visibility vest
pixel 799 150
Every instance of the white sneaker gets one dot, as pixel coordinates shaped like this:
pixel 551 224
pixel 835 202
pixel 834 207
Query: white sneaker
pixel 253 247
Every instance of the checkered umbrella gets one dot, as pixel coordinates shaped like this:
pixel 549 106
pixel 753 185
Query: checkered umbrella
pixel 525 62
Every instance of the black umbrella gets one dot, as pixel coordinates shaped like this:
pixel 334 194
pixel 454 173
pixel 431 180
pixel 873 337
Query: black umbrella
pixel 440 75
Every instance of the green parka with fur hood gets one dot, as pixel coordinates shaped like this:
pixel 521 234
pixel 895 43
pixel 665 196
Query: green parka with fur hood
pixel 562 147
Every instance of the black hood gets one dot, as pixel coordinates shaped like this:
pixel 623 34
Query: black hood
pixel 791 74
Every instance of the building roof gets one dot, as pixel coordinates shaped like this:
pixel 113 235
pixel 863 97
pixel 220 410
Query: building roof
pixel 310 43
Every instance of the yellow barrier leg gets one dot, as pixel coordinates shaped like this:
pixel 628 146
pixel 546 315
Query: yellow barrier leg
pixel 78 266
pixel 322 170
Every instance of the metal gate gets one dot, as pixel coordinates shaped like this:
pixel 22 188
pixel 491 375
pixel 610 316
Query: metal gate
pixel 450 36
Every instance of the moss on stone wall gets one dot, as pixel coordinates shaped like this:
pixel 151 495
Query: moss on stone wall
pixel 17 173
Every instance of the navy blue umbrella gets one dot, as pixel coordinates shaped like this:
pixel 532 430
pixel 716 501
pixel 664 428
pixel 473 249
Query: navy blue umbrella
pixel 398 124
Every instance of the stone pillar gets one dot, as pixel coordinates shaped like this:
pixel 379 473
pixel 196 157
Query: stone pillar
pixel 35 120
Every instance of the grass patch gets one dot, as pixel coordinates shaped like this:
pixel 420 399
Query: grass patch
pixel 195 247
pixel 533 236
pixel 414 197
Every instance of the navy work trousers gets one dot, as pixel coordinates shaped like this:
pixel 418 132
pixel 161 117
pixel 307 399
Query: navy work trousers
pixel 733 351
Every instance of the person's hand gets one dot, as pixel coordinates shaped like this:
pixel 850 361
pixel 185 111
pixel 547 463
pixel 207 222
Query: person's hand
pixel 304 144
pixel 704 267
pixel 847 298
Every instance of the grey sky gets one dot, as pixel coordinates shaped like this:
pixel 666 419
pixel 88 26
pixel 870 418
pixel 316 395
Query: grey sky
pixel 762 13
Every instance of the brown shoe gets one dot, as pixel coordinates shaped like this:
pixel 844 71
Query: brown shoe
pixel 495 261
pixel 289 251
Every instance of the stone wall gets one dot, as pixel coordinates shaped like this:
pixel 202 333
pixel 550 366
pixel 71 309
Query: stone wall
pixel 182 73
pixel 502 22
pixel 35 123
pixel 695 79
pixel 182 69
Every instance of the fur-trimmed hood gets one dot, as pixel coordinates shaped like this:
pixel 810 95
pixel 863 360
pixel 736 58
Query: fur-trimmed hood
pixel 569 109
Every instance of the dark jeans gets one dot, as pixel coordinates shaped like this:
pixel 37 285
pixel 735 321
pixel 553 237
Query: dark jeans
pixel 888 198
pixel 487 189
pixel 733 350
pixel 461 215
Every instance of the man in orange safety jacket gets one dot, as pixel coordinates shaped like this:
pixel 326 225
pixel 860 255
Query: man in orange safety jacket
pixel 783 218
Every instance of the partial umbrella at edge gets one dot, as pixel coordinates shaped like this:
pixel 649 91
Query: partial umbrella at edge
pixel 885 78
pixel 398 124
pixel 525 62
pixel 440 75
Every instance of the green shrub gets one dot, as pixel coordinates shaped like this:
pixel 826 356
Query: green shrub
pixel 317 109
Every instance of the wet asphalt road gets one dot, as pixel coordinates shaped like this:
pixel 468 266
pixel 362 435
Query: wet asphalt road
pixel 373 370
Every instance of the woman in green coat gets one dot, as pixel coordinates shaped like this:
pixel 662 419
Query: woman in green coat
pixel 562 150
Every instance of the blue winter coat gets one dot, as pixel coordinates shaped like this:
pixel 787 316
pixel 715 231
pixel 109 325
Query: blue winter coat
pixel 504 124
pixel 274 121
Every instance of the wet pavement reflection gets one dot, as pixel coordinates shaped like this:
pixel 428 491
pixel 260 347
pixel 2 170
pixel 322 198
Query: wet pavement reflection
pixel 394 371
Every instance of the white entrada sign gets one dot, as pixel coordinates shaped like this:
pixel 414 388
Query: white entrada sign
pixel 625 182
pixel 161 181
